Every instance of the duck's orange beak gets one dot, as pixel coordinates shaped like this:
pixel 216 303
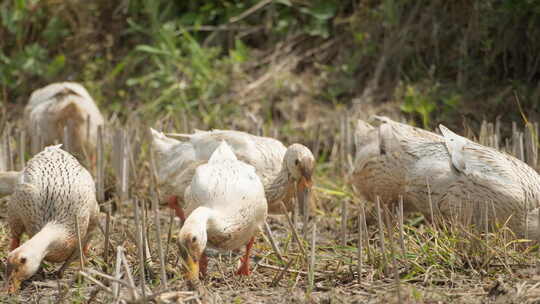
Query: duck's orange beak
pixel 190 267
pixel 305 183
pixel 13 283
pixel 304 192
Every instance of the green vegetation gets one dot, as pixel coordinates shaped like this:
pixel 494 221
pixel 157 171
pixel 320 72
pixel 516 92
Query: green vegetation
pixel 438 59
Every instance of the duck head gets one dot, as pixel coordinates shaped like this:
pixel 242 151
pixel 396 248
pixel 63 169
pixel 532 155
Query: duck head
pixel 192 242
pixel 21 265
pixel 300 164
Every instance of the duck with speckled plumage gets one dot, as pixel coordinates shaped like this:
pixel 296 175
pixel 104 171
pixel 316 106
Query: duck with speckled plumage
pixel 59 105
pixel 47 195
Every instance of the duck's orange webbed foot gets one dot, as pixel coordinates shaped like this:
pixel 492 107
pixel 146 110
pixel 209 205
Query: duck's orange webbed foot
pixel 244 267
pixel 86 249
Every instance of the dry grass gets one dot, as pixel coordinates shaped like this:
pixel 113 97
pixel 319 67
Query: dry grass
pixel 436 263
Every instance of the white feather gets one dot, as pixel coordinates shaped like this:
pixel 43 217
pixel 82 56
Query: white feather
pixel 455 145
pixel 222 153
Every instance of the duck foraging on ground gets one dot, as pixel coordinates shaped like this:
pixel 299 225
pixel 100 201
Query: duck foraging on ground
pixel 59 105
pixel 50 193
pixel 225 207
pixel 281 169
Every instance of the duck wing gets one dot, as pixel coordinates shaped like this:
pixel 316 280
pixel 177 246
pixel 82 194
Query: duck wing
pixel 175 163
pixel 263 153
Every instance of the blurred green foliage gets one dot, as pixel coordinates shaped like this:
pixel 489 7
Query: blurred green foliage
pixel 185 55
pixel 427 100
pixel 29 33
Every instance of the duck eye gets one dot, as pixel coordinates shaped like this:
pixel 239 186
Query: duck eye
pixel 194 239
pixel 297 162
pixel 23 260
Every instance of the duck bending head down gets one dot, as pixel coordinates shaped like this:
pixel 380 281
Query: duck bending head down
pixel 225 206
pixel 52 193
pixel 193 240
pixel 24 262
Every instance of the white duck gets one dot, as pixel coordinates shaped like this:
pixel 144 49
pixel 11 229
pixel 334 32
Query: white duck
pixel 280 169
pixel 506 187
pixel 225 206
pixel 51 108
pixel 176 162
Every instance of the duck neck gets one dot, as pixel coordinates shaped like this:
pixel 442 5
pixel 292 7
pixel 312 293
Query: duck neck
pixel 8 180
pixel 198 220
pixel 40 244
pixel 279 187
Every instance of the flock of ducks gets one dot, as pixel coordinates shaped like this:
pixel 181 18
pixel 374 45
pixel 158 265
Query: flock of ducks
pixel 222 179
pixel 223 184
